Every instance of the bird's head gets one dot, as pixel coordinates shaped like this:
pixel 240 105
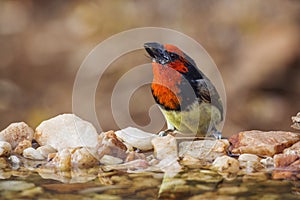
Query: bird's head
pixel 169 55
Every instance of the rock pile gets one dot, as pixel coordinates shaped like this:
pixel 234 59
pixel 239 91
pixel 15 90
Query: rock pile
pixel 67 142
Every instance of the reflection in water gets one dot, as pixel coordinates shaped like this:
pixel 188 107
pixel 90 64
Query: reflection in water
pixel 98 184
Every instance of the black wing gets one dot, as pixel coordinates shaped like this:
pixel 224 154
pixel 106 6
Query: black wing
pixel 208 93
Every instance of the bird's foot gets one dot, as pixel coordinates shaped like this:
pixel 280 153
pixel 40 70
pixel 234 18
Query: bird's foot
pixel 167 132
pixel 215 134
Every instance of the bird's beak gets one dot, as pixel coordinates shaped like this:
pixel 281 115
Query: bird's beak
pixel 157 52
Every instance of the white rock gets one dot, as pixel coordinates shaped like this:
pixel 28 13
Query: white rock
pixel 15 162
pixel 170 166
pixel 226 164
pixel 109 144
pixel 66 131
pixel 165 147
pixel 110 160
pixel 22 146
pixel 83 158
pixel 46 150
pixel 207 150
pixel 5 148
pixel 15 133
pixel 192 162
pixel 246 157
pixel 68 159
pixel 250 163
pixel 62 160
pixel 136 138
pixel 33 154
pixel 268 162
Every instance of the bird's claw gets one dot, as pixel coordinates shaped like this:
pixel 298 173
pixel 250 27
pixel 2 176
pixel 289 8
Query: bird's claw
pixel 166 132
pixel 217 135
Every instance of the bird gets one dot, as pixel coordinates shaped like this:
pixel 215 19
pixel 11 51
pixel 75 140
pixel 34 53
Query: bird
pixel 188 100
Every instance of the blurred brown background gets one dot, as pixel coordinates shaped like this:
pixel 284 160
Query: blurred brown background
pixel 255 45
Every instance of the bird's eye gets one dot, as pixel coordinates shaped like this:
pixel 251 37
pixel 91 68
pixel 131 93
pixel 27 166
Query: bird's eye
pixel 173 56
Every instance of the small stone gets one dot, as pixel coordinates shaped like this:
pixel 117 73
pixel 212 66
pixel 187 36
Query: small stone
pixel 22 146
pixel 16 133
pixel 132 155
pixel 62 160
pixel 15 185
pixel 226 164
pixel 5 148
pixel 108 144
pixel 165 150
pixel 207 150
pixel 153 162
pixel 165 147
pixel 192 162
pixel 66 131
pixel 248 158
pixel 284 160
pixel 262 143
pixel 294 149
pixel 83 158
pixel 15 162
pixel 170 166
pixel 296 121
pixel 268 162
pixel 250 163
pixel 136 138
pixel 32 165
pixel 51 156
pixel 46 150
pixel 295 166
pixel 33 154
pixel 110 160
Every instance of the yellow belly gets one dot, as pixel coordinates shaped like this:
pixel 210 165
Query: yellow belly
pixel 198 120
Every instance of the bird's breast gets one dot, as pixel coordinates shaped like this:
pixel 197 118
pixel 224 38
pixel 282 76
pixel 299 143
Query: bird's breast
pixel 166 86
